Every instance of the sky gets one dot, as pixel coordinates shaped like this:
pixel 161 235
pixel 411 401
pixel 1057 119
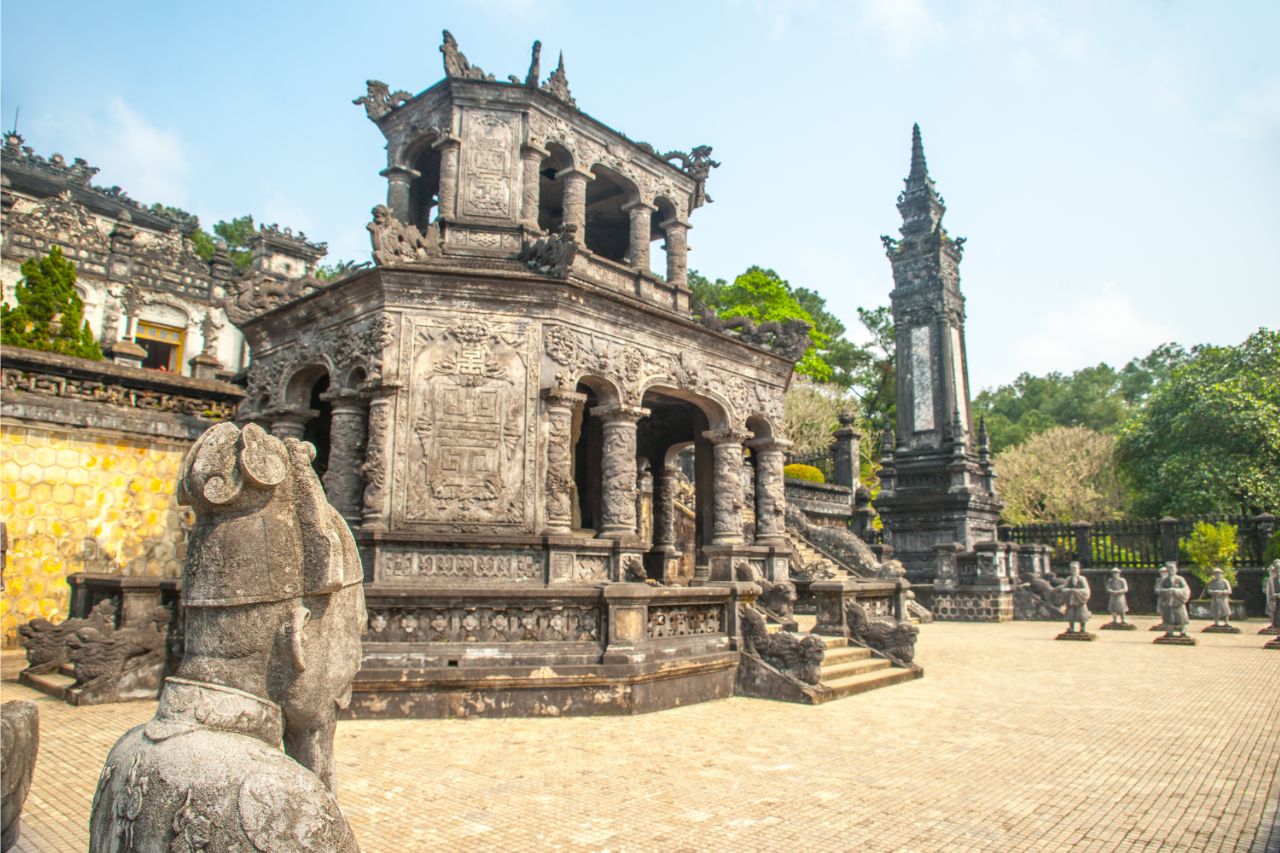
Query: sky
pixel 1114 166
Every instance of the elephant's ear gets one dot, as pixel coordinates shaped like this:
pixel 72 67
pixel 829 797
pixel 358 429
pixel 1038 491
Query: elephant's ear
pixel 263 459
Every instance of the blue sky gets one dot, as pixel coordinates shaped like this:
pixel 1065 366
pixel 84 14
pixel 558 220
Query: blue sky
pixel 1114 166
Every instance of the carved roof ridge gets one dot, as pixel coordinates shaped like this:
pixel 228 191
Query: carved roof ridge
pixel 285 238
pixel 78 175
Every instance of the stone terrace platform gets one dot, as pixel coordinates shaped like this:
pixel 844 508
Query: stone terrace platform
pixel 1012 742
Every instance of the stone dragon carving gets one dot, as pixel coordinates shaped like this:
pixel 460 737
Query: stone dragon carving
pixel 791 654
pixel 104 653
pixel 552 255
pixel 380 100
pixel 46 643
pixel 456 64
pixel 697 164
pixel 789 339
pixel 896 640
pixel 252 296
pixel 396 242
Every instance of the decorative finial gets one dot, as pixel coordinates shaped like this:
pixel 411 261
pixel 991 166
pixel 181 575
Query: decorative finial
pixel 456 64
pixel 919 203
pixel 535 66
pixel 557 85
pixel 919 168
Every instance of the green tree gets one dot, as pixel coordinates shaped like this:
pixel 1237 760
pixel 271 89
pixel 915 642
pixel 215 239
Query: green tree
pixel 1208 438
pixel 874 379
pixel 1063 474
pixel 338 269
pixel 762 295
pixel 239 235
pixel 49 314
pixel 1209 547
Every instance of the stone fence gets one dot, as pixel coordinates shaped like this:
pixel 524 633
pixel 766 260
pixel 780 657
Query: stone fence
pixel 89 459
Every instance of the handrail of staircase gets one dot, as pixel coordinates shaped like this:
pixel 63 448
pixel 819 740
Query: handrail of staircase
pixel 893 659
pixel 857 573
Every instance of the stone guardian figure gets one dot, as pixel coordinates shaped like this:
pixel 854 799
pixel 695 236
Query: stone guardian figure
pixel 1219 592
pixel 1075 599
pixel 1164 573
pixel 1271 591
pixel 1118 602
pixel 239 754
pixel 1172 594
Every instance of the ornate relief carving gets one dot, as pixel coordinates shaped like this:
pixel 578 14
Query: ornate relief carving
pixel 252 296
pixel 557 85
pixel 684 620
pixel 552 255
pixel 402 564
pixel 396 242
pixel 63 221
pixel 496 624
pixel 491 139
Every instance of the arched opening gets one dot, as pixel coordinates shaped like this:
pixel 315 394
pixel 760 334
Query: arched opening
pixel 608 228
pixel 424 190
pixel 551 188
pixel 316 430
pixel 658 259
pixel 586 436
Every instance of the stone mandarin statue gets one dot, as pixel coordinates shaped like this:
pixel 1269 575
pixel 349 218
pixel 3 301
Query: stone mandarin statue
pixel 1271 595
pixel 1164 573
pixel 1219 592
pixel 239 755
pixel 1075 598
pixel 1118 601
pixel 1172 594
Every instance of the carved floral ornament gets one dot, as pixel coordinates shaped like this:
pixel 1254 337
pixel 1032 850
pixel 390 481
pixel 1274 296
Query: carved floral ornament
pixel 633 368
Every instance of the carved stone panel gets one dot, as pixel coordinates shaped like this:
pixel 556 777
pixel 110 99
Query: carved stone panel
pixel 489 152
pixel 567 567
pixel 684 620
pixel 922 378
pixel 500 623
pixel 464 440
pixel 415 565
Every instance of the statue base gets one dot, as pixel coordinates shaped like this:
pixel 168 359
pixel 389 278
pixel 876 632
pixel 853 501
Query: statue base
pixel 1081 636
pixel 1274 644
pixel 1220 629
pixel 1159 627
pixel 1119 626
pixel 1174 641
pixel 1269 629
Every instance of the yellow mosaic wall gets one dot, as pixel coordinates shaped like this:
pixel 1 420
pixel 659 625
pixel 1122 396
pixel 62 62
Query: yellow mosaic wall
pixel 78 502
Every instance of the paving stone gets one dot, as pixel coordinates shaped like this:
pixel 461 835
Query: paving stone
pixel 1010 742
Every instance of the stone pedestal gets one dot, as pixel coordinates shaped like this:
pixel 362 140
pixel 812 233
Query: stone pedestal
pixel 1174 641
pixel 1119 626
pixel 1220 629
pixel 1079 636
pixel 1273 644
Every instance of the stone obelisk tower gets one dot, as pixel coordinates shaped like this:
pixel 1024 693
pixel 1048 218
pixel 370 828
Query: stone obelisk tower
pixel 936 485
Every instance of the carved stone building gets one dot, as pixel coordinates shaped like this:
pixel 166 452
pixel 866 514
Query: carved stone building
pixel 492 401
pixel 149 298
pixel 937 495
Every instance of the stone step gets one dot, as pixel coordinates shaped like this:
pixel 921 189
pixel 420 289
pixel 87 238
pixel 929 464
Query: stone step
pixel 834 672
pixel 862 682
pixel 844 651
pixel 53 684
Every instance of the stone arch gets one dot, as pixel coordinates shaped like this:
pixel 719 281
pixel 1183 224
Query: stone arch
pixel 551 186
pixel 423 158
pixel 718 410
pixel 608 226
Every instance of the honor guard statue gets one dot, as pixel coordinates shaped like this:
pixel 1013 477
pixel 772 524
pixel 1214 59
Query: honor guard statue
pixel 1075 598
pixel 1118 603
pixel 239 755
pixel 1219 592
pixel 1172 594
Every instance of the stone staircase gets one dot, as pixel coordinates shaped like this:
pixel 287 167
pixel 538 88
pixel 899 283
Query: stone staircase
pixel 848 670
pixel 811 560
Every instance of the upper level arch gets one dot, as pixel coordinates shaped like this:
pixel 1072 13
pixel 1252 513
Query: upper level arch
pixel 608 224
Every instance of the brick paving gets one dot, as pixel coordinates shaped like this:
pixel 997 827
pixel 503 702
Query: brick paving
pixel 1011 742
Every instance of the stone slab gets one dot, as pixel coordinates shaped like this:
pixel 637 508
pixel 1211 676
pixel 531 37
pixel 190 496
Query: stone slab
pixel 1079 636
pixel 1174 641
pixel 1119 626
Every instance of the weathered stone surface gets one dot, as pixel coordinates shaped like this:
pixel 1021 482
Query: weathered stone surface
pixel 19 743
pixel 896 639
pixel 274 604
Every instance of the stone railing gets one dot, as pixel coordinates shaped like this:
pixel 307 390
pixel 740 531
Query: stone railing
pixel 59 389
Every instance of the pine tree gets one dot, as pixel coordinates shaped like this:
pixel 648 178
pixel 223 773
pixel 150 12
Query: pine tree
pixel 49 315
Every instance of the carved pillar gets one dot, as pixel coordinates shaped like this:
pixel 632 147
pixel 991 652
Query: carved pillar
pixel 664 509
pixel 398 180
pixel 560 405
pixel 377 457
pixel 641 216
pixel 771 500
pixel 618 470
pixel 531 157
pixel 677 233
pixel 343 480
pixel 575 200
pixel 290 422
pixel 727 496
pixel 448 177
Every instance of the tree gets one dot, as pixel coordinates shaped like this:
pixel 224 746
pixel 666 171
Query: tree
pixel 1208 438
pixel 239 235
pixel 49 315
pixel 1063 474
pixel 338 269
pixel 811 415
pixel 874 378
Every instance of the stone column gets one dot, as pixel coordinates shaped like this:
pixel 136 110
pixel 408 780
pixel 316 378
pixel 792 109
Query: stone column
pixel 560 404
pixel 641 216
pixel 771 499
pixel 398 180
pixel 377 458
pixel 448 177
pixel 531 157
pixel 846 453
pixel 343 480
pixel 664 509
pixel 290 422
pixel 618 470
pixel 727 497
pixel 575 200
pixel 677 233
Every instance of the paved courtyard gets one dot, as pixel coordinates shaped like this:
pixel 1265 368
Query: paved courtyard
pixel 1011 742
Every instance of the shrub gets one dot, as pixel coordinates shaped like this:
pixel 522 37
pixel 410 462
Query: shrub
pixel 804 472
pixel 1209 547
pixel 49 314
pixel 1272 551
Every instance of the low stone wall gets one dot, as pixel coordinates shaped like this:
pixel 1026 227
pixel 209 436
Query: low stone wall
pixel 823 503
pixel 89 460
